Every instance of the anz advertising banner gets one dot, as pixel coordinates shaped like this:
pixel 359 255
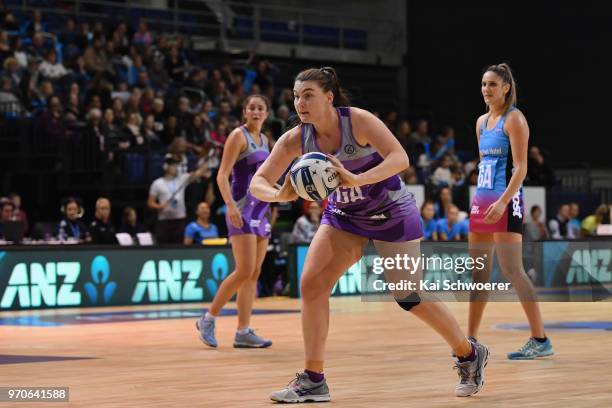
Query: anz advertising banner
pixel 75 277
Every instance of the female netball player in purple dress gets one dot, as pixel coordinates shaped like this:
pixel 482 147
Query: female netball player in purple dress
pixel 245 150
pixel 371 203
pixel 496 216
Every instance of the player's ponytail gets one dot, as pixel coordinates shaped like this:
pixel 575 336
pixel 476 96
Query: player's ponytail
pixel 327 78
pixel 505 73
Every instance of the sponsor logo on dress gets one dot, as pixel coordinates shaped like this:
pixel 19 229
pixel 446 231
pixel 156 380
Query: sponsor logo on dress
pixel 516 206
pixel 349 149
pixel 475 210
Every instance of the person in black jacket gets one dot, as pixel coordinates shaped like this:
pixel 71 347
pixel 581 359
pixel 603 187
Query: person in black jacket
pixel 102 229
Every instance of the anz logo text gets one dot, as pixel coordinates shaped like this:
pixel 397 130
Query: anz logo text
pixel 174 280
pixel 35 285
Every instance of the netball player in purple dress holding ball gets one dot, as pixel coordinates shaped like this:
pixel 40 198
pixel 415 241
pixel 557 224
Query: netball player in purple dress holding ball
pixel 371 203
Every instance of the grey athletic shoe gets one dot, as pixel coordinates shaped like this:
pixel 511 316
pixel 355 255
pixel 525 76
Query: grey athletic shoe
pixel 250 340
pixel 301 389
pixel 206 331
pixel 471 373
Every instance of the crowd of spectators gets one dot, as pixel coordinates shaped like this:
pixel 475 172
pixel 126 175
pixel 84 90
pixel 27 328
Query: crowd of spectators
pixel 124 88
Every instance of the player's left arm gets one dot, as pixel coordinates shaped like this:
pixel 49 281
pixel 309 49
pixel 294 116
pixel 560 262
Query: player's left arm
pixel 368 129
pixel 517 129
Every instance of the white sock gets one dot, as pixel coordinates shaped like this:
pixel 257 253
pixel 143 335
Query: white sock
pixel 243 331
pixel 209 318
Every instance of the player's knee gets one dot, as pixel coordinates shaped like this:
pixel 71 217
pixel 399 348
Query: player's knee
pixel 244 272
pixel 255 274
pixel 311 287
pixel 409 301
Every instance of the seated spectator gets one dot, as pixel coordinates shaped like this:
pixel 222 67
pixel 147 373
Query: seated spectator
pixel 590 223
pixel 18 52
pixel 36 24
pixel 10 24
pixel 132 131
pixel 171 130
pixel 430 226
pixel 403 135
pixel 13 71
pixel 38 49
pixel 574 222
pixel 450 228
pixel 201 228
pixel 149 133
pixel 51 69
pixel 143 37
pixel 9 101
pixel 18 213
pixel 457 174
pixel 445 198
pixel 129 222
pixel 102 229
pixel 558 226
pixel 535 230
pixel 539 172
pixel 198 132
pixel 71 227
pixel 52 119
pixel 306 226
pixel 5 45
pixel 442 176
pixel 6 214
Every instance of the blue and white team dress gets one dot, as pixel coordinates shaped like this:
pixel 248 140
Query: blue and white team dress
pixel 494 173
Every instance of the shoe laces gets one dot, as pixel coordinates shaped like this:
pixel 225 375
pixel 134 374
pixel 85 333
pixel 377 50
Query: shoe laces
pixel 530 345
pixel 463 370
pixel 295 382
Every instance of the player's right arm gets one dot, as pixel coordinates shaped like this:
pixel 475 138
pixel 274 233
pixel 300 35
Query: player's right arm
pixel 234 145
pixel 263 183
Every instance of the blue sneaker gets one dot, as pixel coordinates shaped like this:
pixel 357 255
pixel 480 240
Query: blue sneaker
pixel 206 331
pixel 532 349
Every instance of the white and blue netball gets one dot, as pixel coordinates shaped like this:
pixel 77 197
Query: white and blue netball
pixel 312 177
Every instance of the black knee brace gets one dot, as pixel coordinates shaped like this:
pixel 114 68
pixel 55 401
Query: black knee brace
pixel 409 301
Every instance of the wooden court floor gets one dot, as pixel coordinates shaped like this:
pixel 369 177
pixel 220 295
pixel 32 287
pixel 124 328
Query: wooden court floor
pixel 378 356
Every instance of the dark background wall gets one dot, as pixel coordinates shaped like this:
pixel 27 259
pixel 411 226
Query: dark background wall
pixel 558 53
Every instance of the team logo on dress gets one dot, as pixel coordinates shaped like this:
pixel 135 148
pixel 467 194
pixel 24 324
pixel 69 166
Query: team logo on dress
pixel 349 149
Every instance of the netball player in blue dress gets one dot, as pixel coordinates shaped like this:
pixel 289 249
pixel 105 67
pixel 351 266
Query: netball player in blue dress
pixel 371 203
pixel 496 216
pixel 248 226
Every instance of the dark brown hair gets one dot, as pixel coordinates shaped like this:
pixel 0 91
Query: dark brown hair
pixel 327 79
pixel 262 97
pixel 505 73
